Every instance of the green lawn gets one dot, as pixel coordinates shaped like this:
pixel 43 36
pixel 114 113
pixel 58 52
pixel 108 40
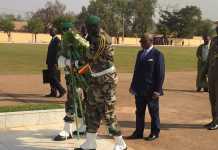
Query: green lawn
pixel 30 59
pixel 29 107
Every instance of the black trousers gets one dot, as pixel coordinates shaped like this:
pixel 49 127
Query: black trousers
pixel 213 94
pixel 153 106
pixel 54 82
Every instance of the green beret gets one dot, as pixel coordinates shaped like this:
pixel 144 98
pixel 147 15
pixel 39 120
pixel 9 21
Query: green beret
pixel 67 25
pixel 93 20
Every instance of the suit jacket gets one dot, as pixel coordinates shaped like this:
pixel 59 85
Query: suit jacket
pixel 53 48
pixel 149 73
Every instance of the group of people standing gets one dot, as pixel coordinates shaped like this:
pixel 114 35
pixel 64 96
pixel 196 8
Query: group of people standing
pixel 99 97
pixel 207 77
pixel 88 60
pixel 94 50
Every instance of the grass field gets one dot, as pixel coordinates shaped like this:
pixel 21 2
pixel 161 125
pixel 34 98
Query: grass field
pixel 30 59
pixel 29 107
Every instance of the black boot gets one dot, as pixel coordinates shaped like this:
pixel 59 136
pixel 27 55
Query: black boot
pixel 62 93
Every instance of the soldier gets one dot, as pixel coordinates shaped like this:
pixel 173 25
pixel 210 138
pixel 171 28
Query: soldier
pixel 202 55
pixel 213 82
pixel 73 50
pixel 102 87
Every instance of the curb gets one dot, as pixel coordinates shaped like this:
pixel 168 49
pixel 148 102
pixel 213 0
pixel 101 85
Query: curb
pixel 30 118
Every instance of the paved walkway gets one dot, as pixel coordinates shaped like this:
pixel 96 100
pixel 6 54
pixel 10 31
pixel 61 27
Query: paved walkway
pixel 40 138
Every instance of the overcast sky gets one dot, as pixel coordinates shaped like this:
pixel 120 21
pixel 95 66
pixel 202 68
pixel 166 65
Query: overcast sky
pixel 208 7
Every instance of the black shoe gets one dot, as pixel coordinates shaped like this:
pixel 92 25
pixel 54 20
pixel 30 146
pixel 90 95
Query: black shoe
pixel 80 133
pixel 82 149
pixel 152 137
pixel 208 125
pixel 213 127
pixel 205 89
pixel 51 95
pixel 198 89
pixel 62 138
pixel 62 93
pixel 135 135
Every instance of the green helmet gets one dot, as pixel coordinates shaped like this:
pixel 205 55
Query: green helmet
pixel 93 20
pixel 67 25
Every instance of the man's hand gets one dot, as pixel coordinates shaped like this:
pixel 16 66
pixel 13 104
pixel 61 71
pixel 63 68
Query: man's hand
pixel 156 95
pixel 63 62
pixel 131 91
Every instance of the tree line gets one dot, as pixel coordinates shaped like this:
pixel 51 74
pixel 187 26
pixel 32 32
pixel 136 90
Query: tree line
pixel 119 18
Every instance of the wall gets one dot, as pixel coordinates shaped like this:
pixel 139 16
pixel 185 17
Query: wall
pixel 45 38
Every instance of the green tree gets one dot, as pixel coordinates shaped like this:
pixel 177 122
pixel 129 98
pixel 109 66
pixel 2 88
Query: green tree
pixel 57 23
pixel 182 23
pixel 189 19
pixel 81 17
pixel 50 12
pixel 7 25
pixel 35 26
pixel 144 11
pixel 206 27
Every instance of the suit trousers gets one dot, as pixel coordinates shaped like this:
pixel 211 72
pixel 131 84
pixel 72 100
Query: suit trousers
pixel 54 83
pixel 153 107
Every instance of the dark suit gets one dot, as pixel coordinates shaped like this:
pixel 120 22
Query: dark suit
pixel 148 78
pixel 51 61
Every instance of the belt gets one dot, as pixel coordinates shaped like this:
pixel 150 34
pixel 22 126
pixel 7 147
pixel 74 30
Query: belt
pixel 109 70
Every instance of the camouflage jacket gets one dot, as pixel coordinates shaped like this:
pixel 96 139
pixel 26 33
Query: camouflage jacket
pixel 100 54
pixel 74 47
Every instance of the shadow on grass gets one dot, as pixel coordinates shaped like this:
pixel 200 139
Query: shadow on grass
pixel 29 98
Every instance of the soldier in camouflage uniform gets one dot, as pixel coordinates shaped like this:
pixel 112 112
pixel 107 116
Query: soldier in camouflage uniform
pixel 69 49
pixel 202 55
pixel 213 82
pixel 102 87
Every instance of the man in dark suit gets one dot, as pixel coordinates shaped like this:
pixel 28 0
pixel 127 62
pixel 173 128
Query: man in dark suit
pixel 147 85
pixel 51 61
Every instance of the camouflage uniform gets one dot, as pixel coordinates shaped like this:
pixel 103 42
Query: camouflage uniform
pixel 72 51
pixel 102 88
pixel 213 78
pixel 72 57
pixel 201 81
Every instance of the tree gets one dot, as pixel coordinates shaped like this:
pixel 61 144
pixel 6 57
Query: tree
pixel 57 23
pixel 144 11
pixel 50 12
pixel 206 27
pixel 80 19
pixel 182 23
pixel 122 16
pixel 189 19
pixel 35 26
pixel 7 25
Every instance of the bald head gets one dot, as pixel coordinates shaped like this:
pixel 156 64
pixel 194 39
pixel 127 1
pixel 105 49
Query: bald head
pixel 147 36
pixel 52 31
pixel 146 40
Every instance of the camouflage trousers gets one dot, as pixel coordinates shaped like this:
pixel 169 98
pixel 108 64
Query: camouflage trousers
pixel 70 103
pixel 101 104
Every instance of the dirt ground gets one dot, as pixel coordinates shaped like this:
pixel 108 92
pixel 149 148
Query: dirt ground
pixel 183 111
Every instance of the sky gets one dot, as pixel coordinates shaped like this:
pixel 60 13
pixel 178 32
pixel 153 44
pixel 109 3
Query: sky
pixel 208 7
